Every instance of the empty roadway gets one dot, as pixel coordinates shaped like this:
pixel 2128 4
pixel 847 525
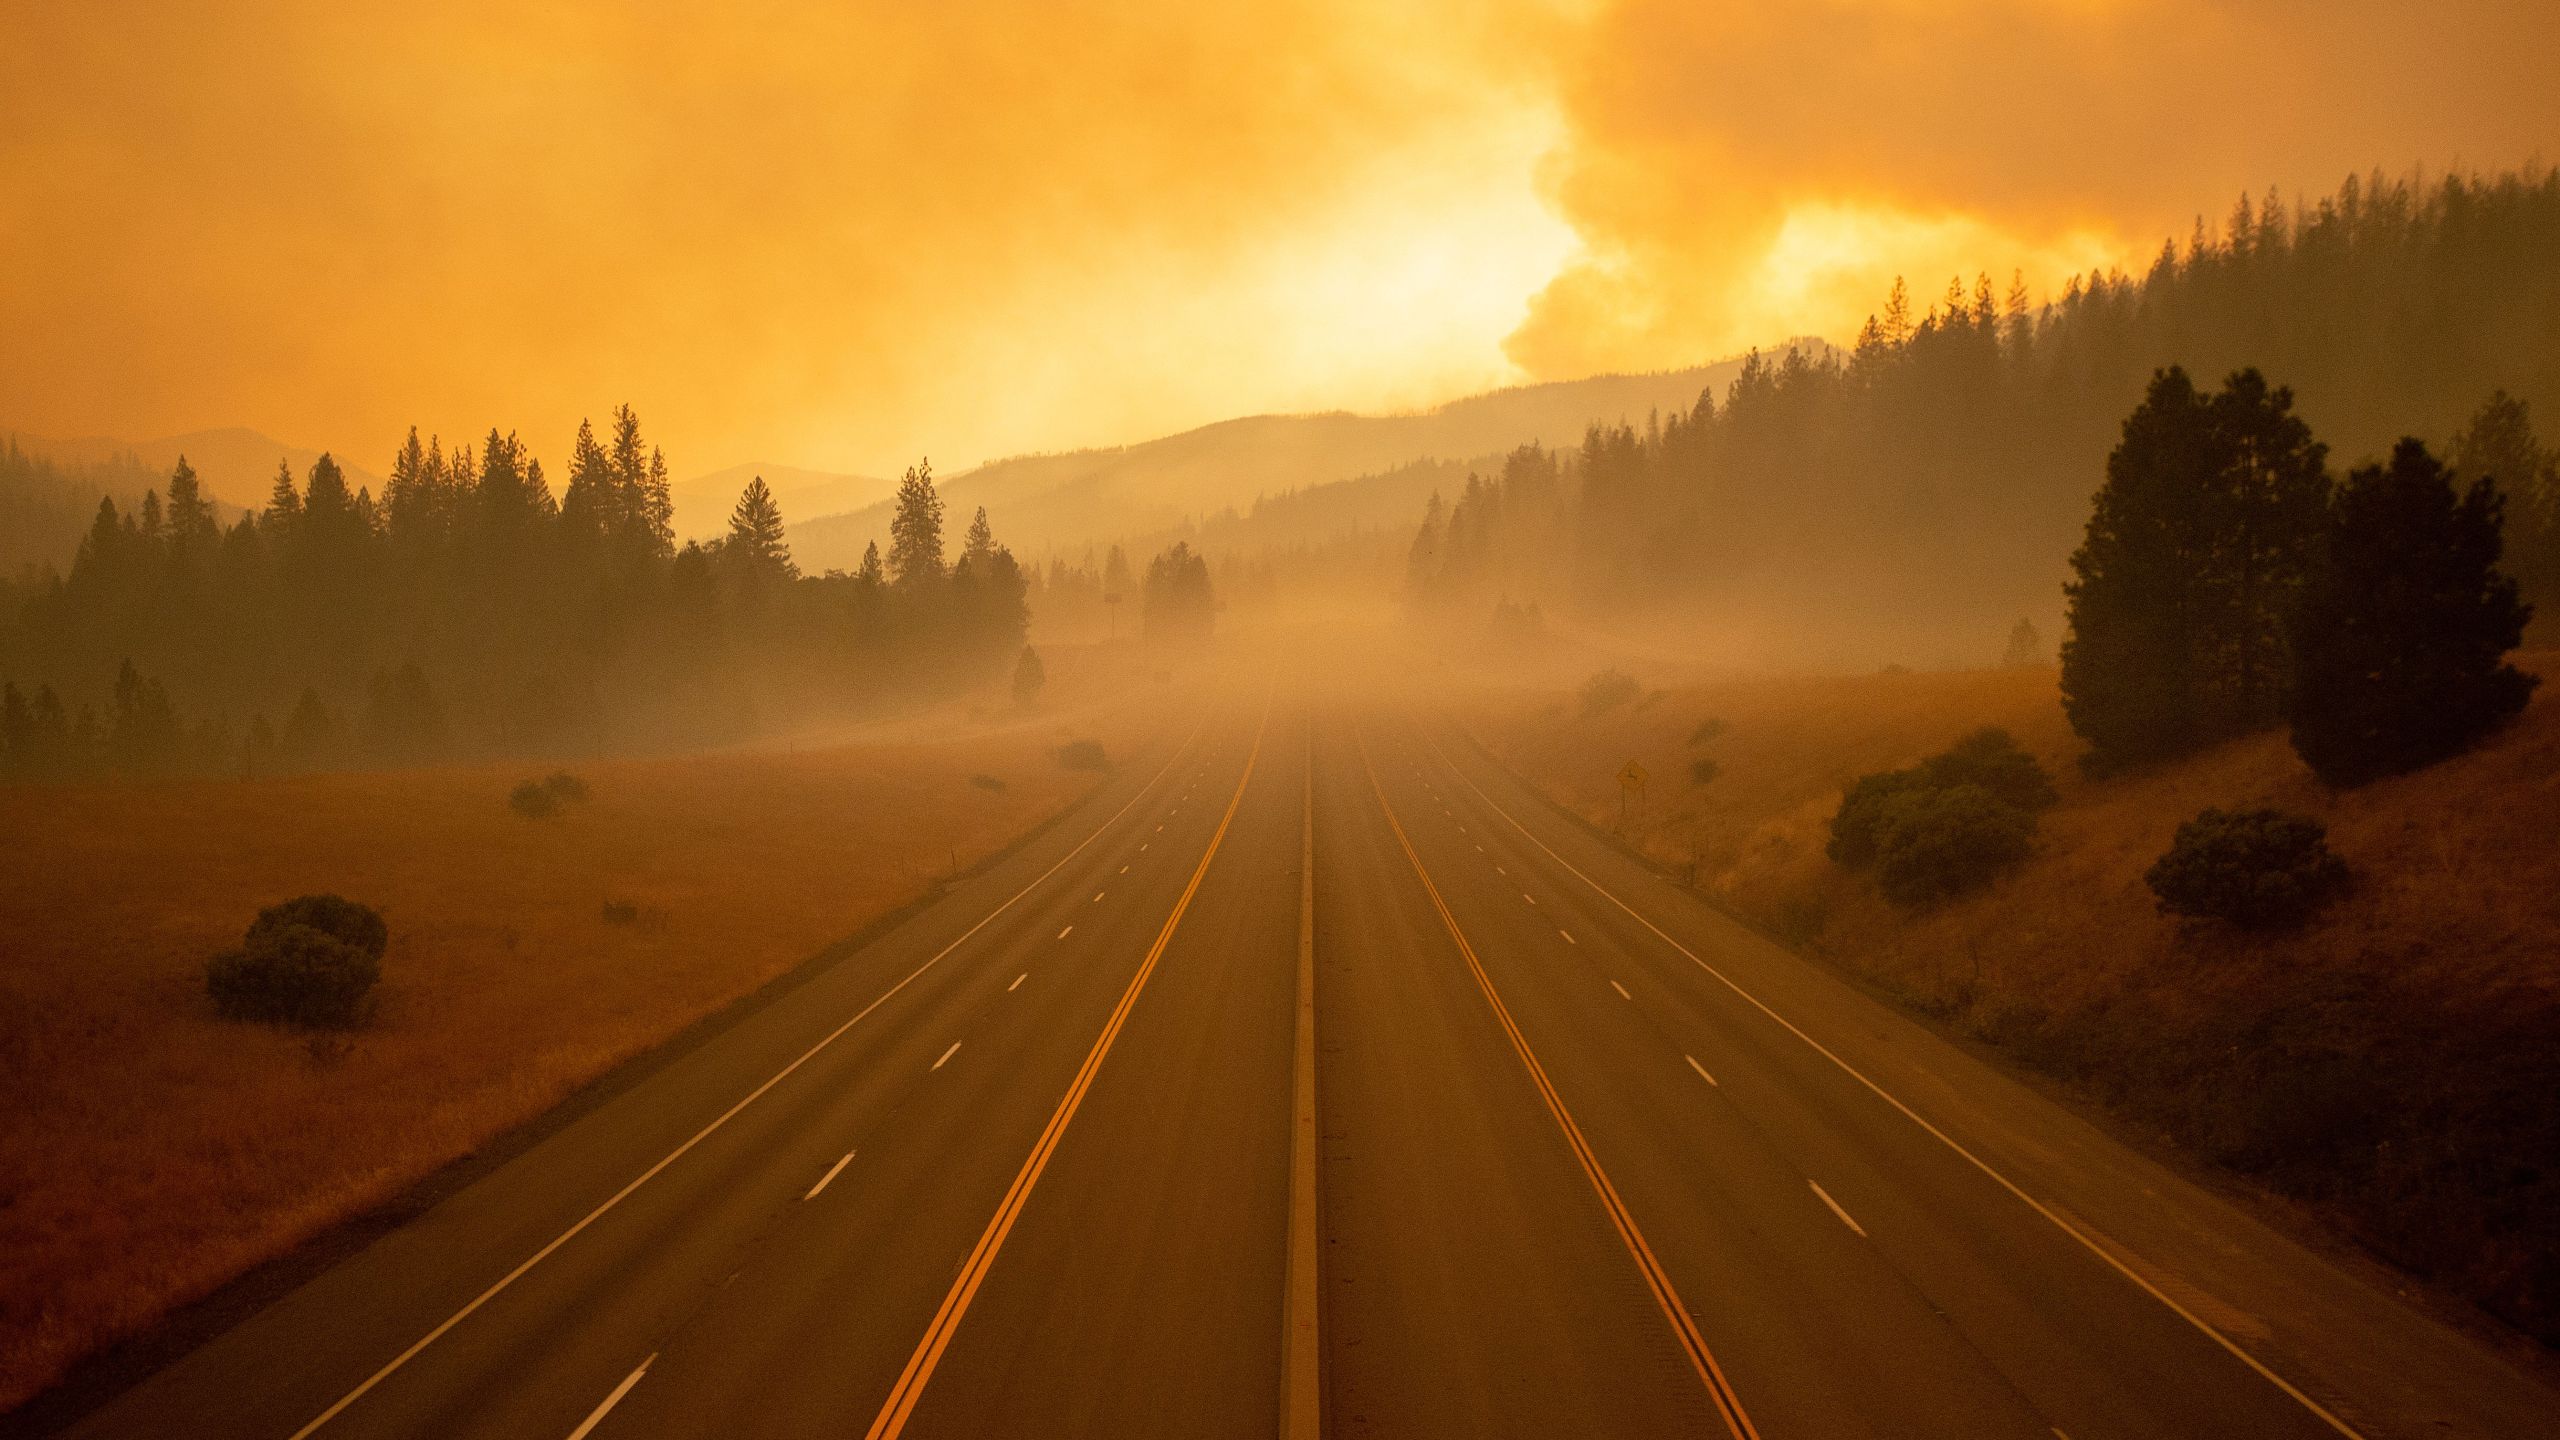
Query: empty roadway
pixel 1588 1158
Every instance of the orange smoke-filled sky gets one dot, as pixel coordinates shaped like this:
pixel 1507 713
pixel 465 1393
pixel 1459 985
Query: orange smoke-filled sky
pixel 842 235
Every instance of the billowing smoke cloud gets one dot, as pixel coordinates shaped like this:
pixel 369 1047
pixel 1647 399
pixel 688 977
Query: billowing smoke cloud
pixel 1742 172
pixel 842 235
pixel 817 232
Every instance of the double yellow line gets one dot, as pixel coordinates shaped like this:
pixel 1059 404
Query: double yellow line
pixel 955 1304
pixel 1728 1404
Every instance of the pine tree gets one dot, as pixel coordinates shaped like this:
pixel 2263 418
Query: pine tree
pixel 192 529
pixel 284 504
pixel 2267 501
pixel 2499 444
pixel 870 574
pixel 915 531
pixel 756 546
pixel 2025 648
pixel 2129 664
pixel 658 507
pixel 2403 632
pixel 408 496
pixel 2195 556
pixel 1897 314
pixel 590 505
pixel 1029 675
pixel 979 547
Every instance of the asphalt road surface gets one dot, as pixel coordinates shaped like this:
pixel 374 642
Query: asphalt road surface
pixel 1315 1078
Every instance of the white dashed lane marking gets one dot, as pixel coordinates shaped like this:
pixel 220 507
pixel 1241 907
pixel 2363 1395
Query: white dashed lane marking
pixel 1836 1210
pixel 831 1174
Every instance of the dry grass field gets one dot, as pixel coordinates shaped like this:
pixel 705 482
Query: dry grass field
pixel 2392 1065
pixel 150 1151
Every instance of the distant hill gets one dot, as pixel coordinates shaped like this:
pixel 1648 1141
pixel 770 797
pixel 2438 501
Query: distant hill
pixel 703 503
pixel 236 465
pixel 1043 502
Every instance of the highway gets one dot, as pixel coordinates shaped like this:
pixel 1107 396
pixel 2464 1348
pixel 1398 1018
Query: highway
pixel 1315 1078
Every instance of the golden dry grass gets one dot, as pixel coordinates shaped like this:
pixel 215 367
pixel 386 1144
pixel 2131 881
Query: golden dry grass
pixel 2392 1063
pixel 150 1151
pixel 2459 864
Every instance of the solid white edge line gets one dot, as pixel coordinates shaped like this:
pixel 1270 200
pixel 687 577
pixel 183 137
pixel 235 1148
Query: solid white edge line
pixel 725 1116
pixel 1835 1207
pixel 1701 1069
pixel 947 1054
pixel 832 1171
pixel 597 1415
pixel 2204 1327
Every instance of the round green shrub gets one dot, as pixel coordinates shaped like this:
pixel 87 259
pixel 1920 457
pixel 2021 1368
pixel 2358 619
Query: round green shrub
pixel 293 975
pixel 1857 832
pixel 1606 691
pixel 2257 869
pixel 1936 843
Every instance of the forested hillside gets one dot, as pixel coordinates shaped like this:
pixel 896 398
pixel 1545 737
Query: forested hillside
pixel 1161 487
pixel 1913 498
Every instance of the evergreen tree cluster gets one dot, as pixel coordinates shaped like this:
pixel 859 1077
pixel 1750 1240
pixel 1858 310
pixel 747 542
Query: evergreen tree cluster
pixel 1931 477
pixel 1181 604
pixel 2225 585
pixel 465 610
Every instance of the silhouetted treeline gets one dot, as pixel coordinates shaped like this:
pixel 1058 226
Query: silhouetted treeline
pixel 467 610
pixel 1927 483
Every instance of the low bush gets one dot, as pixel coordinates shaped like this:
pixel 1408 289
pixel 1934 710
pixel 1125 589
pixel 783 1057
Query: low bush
pixel 1702 770
pixel 987 783
pixel 544 798
pixel 1708 729
pixel 1083 755
pixel 332 915
pixel 290 970
pixel 1946 825
pixel 1937 842
pixel 2257 869
pixel 1992 759
pixel 621 912
pixel 1606 691
pixel 1857 827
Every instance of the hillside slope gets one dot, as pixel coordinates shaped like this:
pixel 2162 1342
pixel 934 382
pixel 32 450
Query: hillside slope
pixel 1039 502
pixel 236 465
pixel 2392 1065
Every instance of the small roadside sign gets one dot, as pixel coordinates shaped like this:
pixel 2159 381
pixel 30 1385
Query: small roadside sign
pixel 1630 788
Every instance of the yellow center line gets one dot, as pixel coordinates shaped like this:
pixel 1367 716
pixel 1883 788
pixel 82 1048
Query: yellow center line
pixel 937 1336
pixel 1728 1404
